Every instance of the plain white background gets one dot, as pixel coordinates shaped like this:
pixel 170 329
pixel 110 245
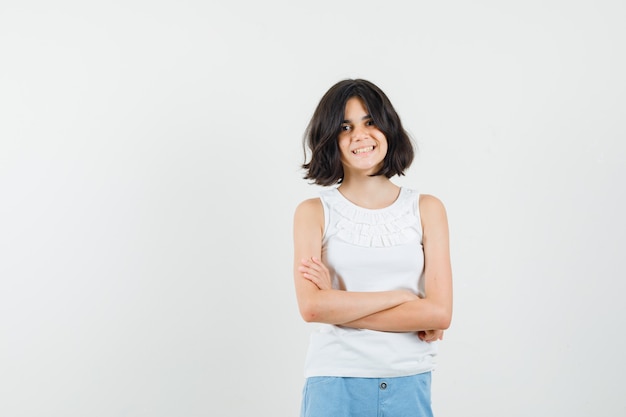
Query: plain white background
pixel 149 169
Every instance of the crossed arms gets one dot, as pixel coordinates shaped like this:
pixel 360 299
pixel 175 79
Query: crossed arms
pixel 393 311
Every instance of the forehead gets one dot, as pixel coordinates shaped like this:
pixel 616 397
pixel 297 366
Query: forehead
pixel 354 107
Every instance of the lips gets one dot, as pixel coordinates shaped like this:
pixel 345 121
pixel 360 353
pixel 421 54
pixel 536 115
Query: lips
pixel 363 150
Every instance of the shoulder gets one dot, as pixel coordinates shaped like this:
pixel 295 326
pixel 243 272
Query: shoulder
pixel 309 205
pixel 315 206
pixel 309 217
pixel 432 210
pixel 429 202
pixel 309 209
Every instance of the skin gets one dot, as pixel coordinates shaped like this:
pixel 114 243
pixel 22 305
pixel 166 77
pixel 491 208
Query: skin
pixel 363 148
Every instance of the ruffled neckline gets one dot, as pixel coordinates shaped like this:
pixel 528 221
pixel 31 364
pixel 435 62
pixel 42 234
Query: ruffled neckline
pixel 356 206
pixel 396 224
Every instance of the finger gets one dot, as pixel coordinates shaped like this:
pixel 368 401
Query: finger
pixel 319 262
pixel 308 263
pixel 311 276
pixel 315 280
pixel 309 266
pixel 315 270
pixel 306 271
pixel 319 267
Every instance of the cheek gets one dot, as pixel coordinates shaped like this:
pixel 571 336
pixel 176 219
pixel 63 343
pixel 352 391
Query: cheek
pixel 384 149
pixel 382 142
pixel 344 145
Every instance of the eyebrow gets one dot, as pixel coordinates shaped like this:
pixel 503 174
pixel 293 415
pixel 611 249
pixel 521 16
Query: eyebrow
pixel 367 116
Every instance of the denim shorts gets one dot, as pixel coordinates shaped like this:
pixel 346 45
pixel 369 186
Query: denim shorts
pixel 407 396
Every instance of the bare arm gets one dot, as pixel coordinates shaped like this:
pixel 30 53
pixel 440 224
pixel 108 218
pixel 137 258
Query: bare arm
pixel 435 310
pixel 319 302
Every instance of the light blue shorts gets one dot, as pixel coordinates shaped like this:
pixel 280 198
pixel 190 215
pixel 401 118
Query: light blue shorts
pixel 407 396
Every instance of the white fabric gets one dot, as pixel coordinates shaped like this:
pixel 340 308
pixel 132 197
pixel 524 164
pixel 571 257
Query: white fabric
pixel 371 250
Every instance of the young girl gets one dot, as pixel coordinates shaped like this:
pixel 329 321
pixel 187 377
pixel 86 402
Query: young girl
pixel 372 263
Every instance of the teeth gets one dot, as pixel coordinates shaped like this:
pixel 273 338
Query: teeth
pixel 361 150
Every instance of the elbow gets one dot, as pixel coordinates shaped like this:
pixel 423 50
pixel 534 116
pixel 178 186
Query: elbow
pixel 443 318
pixel 315 308
pixel 310 313
pixel 445 322
pixel 441 313
pixel 308 316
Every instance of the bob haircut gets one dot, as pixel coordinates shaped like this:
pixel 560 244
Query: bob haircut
pixel 322 134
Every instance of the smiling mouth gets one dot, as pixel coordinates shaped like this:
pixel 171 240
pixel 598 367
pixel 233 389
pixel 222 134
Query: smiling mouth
pixel 363 150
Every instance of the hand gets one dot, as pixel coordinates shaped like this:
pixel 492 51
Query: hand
pixel 315 271
pixel 430 335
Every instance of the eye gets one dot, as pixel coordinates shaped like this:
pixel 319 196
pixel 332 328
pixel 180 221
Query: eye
pixel 345 128
pixel 370 122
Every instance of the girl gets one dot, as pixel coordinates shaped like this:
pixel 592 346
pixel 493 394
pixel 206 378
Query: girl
pixel 372 263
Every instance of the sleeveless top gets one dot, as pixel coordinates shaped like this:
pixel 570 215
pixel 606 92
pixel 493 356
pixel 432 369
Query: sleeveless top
pixel 371 250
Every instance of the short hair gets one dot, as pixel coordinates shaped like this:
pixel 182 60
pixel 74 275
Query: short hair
pixel 322 133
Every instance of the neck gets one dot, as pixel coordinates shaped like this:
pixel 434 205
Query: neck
pixel 369 192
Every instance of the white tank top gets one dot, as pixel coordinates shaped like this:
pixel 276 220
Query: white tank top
pixel 371 250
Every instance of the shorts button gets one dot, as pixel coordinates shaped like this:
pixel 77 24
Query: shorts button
pixel 383 385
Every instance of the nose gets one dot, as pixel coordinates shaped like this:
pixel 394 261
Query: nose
pixel 359 132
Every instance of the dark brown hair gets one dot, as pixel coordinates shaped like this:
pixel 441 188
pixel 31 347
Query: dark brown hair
pixel 322 133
